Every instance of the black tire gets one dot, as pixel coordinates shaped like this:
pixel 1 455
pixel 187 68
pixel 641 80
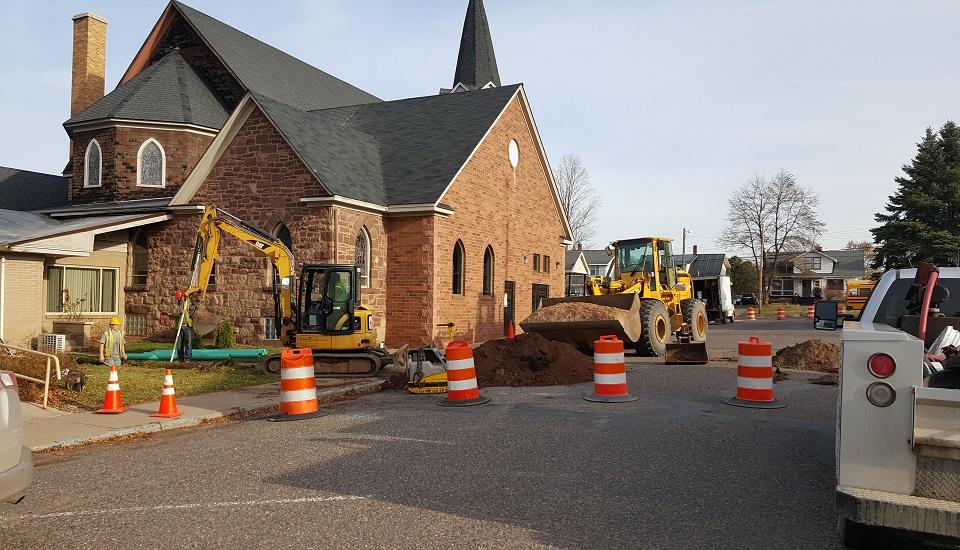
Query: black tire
pixel 270 364
pixel 695 316
pixel 656 329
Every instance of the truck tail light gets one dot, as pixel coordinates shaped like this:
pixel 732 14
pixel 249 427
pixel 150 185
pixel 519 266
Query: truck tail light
pixel 8 380
pixel 881 394
pixel 881 365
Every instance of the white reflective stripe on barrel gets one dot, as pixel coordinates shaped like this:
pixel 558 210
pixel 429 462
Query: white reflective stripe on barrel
pixel 755 361
pixel 296 372
pixel 113 386
pixel 169 391
pixel 755 383
pixel 608 358
pixel 610 378
pixel 462 384
pixel 460 364
pixel 298 395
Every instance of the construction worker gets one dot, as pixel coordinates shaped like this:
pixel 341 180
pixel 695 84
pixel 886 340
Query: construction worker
pixel 112 350
pixel 185 341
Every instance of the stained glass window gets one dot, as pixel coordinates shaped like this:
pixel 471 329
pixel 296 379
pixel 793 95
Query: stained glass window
pixel 150 165
pixel 91 171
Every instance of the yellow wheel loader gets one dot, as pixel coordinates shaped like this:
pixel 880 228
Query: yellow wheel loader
pixel 647 302
pixel 320 309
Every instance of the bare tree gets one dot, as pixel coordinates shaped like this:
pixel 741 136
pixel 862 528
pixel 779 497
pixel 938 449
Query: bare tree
pixel 577 196
pixel 770 217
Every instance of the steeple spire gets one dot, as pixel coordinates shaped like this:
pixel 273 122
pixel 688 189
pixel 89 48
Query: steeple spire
pixel 476 64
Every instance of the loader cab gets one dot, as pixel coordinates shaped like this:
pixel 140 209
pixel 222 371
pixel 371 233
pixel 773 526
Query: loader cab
pixel 328 294
pixel 649 259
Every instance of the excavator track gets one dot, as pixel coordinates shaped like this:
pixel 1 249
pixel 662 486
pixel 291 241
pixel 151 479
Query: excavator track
pixel 338 364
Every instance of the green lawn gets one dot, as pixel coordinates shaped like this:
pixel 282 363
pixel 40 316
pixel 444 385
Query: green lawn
pixel 143 382
pixel 792 310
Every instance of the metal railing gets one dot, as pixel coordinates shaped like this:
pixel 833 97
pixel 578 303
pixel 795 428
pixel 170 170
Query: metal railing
pixel 46 381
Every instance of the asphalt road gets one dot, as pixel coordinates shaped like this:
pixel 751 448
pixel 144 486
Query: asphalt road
pixel 536 468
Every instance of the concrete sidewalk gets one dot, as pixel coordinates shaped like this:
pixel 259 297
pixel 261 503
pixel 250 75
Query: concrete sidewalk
pixel 53 429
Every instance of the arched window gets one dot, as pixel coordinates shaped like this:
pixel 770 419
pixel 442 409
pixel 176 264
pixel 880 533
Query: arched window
pixel 92 165
pixel 363 257
pixel 458 267
pixel 282 233
pixel 488 271
pixel 151 164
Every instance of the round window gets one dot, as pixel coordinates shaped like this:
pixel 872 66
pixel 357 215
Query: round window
pixel 513 151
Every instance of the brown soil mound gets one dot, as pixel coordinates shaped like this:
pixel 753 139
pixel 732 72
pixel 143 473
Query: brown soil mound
pixel 575 311
pixel 531 360
pixel 35 366
pixel 814 355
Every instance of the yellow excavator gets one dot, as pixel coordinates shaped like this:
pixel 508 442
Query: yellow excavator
pixel 647 301
pixel 326 316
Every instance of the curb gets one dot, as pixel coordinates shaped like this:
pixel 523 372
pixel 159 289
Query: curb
pixel 196 420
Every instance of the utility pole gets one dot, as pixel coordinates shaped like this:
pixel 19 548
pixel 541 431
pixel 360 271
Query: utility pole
pixel 685 244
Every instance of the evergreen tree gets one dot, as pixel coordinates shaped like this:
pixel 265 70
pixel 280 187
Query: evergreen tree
pixel 922 219
pixel 743 275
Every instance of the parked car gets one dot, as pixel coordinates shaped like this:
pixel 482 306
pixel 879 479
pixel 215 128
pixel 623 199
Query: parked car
pixel 749 299
pixel 16 462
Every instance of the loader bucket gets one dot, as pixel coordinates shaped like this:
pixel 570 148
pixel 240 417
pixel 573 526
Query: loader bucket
pixel 582 332
pixel 690 353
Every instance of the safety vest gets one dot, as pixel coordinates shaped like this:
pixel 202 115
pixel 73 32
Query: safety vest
pixel 108 342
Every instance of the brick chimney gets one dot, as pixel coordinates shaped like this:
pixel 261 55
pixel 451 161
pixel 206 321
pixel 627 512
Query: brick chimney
pixel 694 250
pixel 89 61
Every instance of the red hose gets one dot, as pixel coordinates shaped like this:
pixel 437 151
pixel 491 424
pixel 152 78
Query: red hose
pixel 925 310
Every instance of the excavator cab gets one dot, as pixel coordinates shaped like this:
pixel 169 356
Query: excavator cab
pixel 328 295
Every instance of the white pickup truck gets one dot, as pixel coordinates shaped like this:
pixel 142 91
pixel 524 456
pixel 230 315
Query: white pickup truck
pixel 898 425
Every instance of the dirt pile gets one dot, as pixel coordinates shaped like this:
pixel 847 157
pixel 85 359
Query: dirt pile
pixel 574 311
pixel 531 360
pixel 35 366
pixel 812 355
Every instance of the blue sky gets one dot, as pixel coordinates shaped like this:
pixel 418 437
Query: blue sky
pixel 670 104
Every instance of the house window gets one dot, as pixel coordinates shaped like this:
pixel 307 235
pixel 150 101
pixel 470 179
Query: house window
pixel 81 290
pixel 151 164
pixel 546 264
pixel 363 257
pixel 269 326
pixel 135 324
pixel 782 285
pixel 488 272
pixel 458 268
pixel 138 269
pixel 92 165
pixel 212 281
pixel 811 263
pixel 536 263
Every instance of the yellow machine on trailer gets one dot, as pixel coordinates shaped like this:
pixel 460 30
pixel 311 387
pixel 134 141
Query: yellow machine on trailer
pixel 327 315
pixel 655 299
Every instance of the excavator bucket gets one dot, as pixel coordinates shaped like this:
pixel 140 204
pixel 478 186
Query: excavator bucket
pixel 205 322
pixel 686 353
pixel 581 326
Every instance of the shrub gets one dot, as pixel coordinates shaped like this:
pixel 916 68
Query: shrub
pixel 225 337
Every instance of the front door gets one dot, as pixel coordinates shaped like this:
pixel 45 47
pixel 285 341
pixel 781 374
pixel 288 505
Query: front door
pixel 509 289
pixel 806 289
pixel 539 293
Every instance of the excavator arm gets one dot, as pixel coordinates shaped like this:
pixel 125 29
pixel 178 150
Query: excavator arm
pixel 213 224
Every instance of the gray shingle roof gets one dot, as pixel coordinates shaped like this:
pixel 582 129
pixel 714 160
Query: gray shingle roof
pixel 158 204
pixel 25 226
pixel 571 258
pixel 267 71
pixel 849 264
pixel 394 152
pixel 166 91
pixel 702 266
pixel 26 190
pixel 476 63
pixel 596 257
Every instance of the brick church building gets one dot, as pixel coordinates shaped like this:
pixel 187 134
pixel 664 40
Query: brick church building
pixel 445 202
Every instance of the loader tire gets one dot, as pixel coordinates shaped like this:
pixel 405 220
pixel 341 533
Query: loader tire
pixel 695 316
pixel 656 329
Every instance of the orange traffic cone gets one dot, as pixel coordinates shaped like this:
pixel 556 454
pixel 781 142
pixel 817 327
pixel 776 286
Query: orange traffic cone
pixel 112 403
pixel 168 400
pixel 511 333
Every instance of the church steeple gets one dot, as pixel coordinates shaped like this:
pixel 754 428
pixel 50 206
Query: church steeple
pixel 476 64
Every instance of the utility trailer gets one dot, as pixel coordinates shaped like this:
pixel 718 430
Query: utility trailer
pixel 717 293
pixel 898 429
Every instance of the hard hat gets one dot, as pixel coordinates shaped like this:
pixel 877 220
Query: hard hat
pixel 180 295
pixel 115 321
